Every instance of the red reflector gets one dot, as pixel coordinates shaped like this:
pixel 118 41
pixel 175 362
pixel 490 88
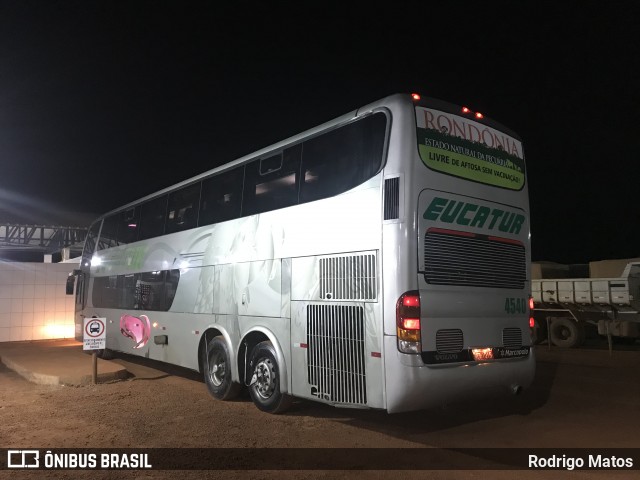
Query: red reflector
pixel 415 96
pixel 505 240
pixel 451 232
pixel 532 322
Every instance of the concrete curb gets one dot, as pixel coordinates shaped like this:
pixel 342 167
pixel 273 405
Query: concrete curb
pixel 45 363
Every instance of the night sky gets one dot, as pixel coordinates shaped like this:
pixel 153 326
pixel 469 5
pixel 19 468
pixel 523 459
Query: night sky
pixel 104 102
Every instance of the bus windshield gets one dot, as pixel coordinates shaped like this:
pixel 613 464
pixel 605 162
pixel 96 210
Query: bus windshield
pixel 464 148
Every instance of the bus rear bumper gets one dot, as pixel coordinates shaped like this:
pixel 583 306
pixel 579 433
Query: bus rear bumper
pixel 421 387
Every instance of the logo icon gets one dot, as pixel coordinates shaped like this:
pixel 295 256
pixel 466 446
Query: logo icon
pixel 23 458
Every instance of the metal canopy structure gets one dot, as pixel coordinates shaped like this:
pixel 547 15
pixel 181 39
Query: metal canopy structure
pixel 40 238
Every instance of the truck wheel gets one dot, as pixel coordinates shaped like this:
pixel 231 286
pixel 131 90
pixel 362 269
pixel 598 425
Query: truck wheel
pixel 566 333
pixel 264 386
pixel 217 370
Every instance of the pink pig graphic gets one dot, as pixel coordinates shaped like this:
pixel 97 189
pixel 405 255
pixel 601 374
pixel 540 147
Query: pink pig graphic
pixel 137 329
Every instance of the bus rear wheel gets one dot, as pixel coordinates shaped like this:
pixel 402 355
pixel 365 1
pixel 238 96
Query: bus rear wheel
pixel 217 370
pixel 264 384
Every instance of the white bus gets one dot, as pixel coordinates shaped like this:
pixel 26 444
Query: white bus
pixel 380 260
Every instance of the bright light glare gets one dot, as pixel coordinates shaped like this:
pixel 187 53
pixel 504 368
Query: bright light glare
pixel 96 261
pixel 58 331
pixel 482 353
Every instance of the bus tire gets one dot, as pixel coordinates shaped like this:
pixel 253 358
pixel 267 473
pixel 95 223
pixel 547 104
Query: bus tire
pixel 216 365
pixel 566 333
pixel 264 381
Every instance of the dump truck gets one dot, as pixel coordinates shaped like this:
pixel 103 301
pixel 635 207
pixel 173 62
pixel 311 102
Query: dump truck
pixel 566 309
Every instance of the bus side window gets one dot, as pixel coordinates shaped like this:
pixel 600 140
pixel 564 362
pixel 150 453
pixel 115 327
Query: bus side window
pixel 128 297
pixel 221 197
pixel 269 187
pixel 152 215
pixel 149 291
pixel 182 212
pixel 170 287
pixel 342 159
pixel 128 225
pixel 109 232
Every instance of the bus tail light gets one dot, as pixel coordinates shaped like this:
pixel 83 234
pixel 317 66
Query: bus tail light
pixel 532 322
pixel 408 322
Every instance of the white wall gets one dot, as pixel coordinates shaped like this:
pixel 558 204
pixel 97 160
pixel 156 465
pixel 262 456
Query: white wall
pixel 33 303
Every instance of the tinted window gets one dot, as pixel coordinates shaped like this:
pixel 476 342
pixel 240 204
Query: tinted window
pixel 139 291
pixel 221 197
pixel 343 158
pixel 105 292
pixel 128 223
pixel 120 228
pixel 109 233
pixel 152 215
pixel 272 182
pixel 90 242
pixel 182 211
pixel 149 291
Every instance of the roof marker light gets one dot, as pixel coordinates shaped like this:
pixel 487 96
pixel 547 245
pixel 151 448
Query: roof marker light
pixel 479 115
pixel 465 110
pixel 415 96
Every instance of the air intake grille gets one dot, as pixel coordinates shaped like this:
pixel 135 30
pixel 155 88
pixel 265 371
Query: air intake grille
pixel 335 353
pixel 391 198
pixel 350 277
pixel 449 340
pixel 512 338
pixel 453 258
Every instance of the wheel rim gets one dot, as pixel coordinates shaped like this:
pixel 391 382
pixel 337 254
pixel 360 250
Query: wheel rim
pixel 217 369
pixel 563 333
pixel 265 378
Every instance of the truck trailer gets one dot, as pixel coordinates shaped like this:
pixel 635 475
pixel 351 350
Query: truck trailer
pixel 566 309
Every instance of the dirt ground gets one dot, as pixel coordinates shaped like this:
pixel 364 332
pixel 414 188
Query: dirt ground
pixel 573 403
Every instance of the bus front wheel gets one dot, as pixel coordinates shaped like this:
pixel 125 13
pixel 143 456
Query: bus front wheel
pixel 217 370
pixel 264 384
